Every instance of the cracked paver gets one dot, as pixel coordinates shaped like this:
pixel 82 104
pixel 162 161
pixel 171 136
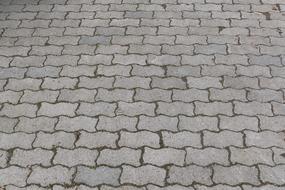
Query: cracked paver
pixel 142 94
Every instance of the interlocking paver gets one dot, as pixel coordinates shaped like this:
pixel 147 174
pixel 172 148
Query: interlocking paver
pixel 142 94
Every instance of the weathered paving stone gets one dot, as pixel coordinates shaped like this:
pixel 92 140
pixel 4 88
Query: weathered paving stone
pixel 207 156
pixel 26 158
pixel 189 174
pixel 236 174
pixel 251 156
pixel 79 156
pixel 29 125
pixel 16 140
pixel 58 109
pixel 97 140
pixel 143 175
pixel 76 124
pixel 51 175
pixel 158 123
pixel 117 123
pixel 7 124
pixel 161 157
pixel 99 175
pixel 118 157
pixel 14 175
pixel 181 139
pixel 57 139
pixel 139 139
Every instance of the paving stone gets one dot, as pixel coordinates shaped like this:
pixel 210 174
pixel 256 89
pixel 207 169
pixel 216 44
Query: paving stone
pixel 31 157
pixel 152 95
pixel 158 123
pixel 96 109
pixel 198 123
pixel 239 123
pixel 213 108
pixel 251 156
pixel 14 175
pixel 189 174
pixel 79 156
pixel 115 95
pixel 227 94
pixel 57 139
pixel 132 82
pixel 117 123
pixel 57 109
pixel 59 83
pixel 236 174
pixel 41 72
pixel 272 123
pixel 190 95
pixel 139 139
pixel 207 156
pixel 136 108
pixel 223 139
pixel 29 125
pixel 165 156
pixel 97 140
pixel 252 108
pixel 10 97
pixel 272 174
pixel 77 95
pixel 39 96
pixel 118 157
pixel 97 176
pixel 13 111
pixel 143 175
pixel 175 109
pixel 181 139
pixel 261 139
pixel 7 124
pixel 92 83
pixel 204 82
pixel 52 175
pixel 76 124
pixel 130 59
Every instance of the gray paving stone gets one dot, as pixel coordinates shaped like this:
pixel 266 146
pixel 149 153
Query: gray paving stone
pixel 76 124
pixel 52 175
pixel 158 123
pixel 251 156
pixel 117 123
pixel 207 156
pixel 79 156
pixel 198 123
pixel 236 174
pixel 189 174
pixel 57 139
pixel 14 175
pixel 118 157
pixel 57 109
pixel 143 175
pixel 139 139
pixel 26 158
pixel 29 125
pixel 97 140
pixel 97 176
pixel 165 156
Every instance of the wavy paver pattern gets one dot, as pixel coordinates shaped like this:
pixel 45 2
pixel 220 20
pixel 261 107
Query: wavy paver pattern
pixel 142 94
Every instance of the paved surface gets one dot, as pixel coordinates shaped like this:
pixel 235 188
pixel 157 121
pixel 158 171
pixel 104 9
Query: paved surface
pixel 142 94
